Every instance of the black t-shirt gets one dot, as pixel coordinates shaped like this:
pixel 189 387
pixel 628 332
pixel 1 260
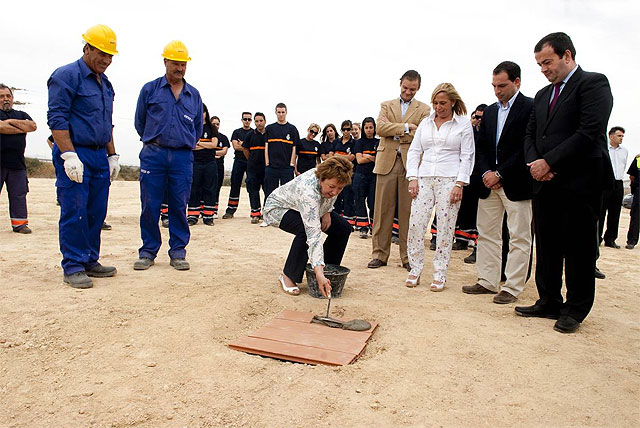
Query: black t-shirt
pixel 223 142
pixel 308 153
pixel 13 145
pixel 205 155
pixel 340 148
pixel 367 146
pixel 281 139
pixel 634 172
pixel 255 142
pixel 326 147
pixel 240 134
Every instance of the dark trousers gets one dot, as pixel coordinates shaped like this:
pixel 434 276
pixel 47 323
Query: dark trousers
pixel 17 189
pixel 255 181
pixel 83 208
pixel 566 232
pixel 467 221
pixel 364 187
pixel 611 203
pixel 237 174
pixel 346 204
pixel 202 197
pixel 216 191
pixel 634 223
pixel 275 177
pixel 334 246
pixel 164 170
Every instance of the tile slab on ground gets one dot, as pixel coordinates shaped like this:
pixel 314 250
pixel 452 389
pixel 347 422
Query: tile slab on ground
pixel 148 349
pixel 291 336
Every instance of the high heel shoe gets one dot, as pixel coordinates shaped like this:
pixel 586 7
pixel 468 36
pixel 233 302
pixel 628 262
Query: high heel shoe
pixel 411 283
pixel 294 291
pixel 436 287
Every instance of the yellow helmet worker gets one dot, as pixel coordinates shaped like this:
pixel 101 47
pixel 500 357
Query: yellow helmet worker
pixel 101 37
pixel 176 51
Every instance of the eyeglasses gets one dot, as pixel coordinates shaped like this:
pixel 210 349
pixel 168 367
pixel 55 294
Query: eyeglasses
pixel 346 129
pixel 477 117
pixel 312 132
pixel 246 119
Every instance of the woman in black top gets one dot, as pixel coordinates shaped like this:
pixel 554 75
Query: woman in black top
pixel 329 135
pixel 308 150
pixel 345 204
pixel 205 174
pixel 364 180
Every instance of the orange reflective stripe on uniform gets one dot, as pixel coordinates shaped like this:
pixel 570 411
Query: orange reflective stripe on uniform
pixel 257 148
pixel 274 140
pixel 18 222
pixel 305 152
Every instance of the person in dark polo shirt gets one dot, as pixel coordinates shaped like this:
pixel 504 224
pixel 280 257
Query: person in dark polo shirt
pixel 222 149
pixel 280 151
pixel 308 150
pixel 364 180
pixel 345 204
pixel 205 174
pixel 239 164
pixel 253 147
pixel 14 125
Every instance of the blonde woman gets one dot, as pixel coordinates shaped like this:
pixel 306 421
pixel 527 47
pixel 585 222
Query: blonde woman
pixel 439 163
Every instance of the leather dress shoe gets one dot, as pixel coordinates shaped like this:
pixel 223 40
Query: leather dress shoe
pixel 376 263
pixel 537 311
pixel 611 244
pixel 598 274
pixel 476 289
pixel 566 324
pixel 504 297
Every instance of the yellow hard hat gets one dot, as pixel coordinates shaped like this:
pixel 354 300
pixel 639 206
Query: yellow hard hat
pixel 176 51
pixel 101 37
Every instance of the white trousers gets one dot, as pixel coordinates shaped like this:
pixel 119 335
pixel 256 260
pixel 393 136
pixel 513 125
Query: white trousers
pixel 432 192
pixel 489 257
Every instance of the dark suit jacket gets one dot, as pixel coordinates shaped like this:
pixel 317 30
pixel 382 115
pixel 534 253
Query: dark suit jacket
pixel 573 138
pixel 516 179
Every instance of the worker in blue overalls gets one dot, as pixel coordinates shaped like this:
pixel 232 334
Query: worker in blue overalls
pixel 169 121
pixel 84 156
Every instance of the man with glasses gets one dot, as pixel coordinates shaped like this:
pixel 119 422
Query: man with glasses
pixel 280 151
pixel 397 122
pixel 239 164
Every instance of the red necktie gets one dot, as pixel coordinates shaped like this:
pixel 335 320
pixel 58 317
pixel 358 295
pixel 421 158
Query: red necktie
pixel 556 94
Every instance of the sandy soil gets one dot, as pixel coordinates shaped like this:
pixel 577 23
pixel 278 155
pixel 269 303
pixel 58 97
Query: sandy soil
pixel 148 349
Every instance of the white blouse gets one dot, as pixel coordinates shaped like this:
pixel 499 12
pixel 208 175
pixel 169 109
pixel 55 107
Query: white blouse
pixel 301 194
pixel 445 152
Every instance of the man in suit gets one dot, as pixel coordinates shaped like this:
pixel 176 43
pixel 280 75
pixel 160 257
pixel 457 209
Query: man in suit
pixel 566 151
pixel 507 187
pixel 397 123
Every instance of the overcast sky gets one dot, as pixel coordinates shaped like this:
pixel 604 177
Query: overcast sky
pixel 327 60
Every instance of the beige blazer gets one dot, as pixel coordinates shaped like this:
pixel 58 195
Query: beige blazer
pixel 394 127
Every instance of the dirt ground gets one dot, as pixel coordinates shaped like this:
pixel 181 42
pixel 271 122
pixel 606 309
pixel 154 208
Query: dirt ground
pixel 149 348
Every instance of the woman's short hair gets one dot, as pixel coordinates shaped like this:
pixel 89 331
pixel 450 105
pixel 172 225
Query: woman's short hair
pixel 338 167
pixel 312 126
pixel 458 105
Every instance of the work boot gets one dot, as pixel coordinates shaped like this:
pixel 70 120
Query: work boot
pixel 24 230
pixel 99 271
pixel 208 221
pixel 78 280
pixel 165 222
pixel 227 215
pixel 460 245
pixel 143 263
pixel 192 221
pixel 471 259
pixel 255 220
pixel 395 239
pixel 105 226
pixel 180 264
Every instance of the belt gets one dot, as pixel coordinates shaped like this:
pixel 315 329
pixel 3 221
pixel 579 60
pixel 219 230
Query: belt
pixel 155 143
pixel 93 147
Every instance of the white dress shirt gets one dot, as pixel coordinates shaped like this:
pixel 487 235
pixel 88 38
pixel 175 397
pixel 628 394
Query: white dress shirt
pixel 618 157
pixel 445 152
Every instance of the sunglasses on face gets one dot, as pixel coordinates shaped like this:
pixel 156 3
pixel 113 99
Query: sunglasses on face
pixel 346 129
pixel 246 119
pixel 477 117
pixel 312 132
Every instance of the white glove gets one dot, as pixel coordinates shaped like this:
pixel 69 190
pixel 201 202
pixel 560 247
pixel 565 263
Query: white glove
pixel 73 166
pixel 114 166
